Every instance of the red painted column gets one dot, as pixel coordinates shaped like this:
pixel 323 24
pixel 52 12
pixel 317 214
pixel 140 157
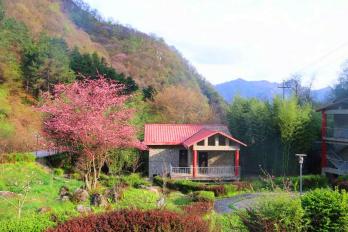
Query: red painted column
pixel 194 163
pixel 236 162
pixel 323 143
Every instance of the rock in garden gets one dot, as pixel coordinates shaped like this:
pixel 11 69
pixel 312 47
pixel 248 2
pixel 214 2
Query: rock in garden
pixel 161 202
pixel 112 194
pixel 154 189
pixel 80 195
pixel 64 193
pixel 98 199
pixel 44 210
pixel 83 209
pixel 7 194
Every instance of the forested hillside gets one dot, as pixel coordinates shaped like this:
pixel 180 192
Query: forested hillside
pixel 45 42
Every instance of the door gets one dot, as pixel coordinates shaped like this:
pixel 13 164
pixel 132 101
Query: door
pixel 183 158
pixel 203 162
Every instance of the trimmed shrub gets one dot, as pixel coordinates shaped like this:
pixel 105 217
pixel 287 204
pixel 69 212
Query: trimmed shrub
pixel 203 196
pixel 58 172
pixel 187 186
pixel 134 220
pixel 198 208
pixel 17 157
pixel 135 180
pixel 277 213
pixel 326 210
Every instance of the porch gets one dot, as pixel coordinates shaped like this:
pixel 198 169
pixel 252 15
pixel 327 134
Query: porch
pixel 205 173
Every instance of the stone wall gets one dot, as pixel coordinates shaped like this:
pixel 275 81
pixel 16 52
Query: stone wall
pixel 161 157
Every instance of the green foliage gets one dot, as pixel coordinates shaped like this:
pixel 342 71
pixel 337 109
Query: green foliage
pixel 44 188
pixel 275 213
pixel 123 161
pixel 291 183
pixel 135 180
pixel 326 209
pixel 46 63
pixel 58 172
pixel 32 223
pixel 227 222
pixel 203 196
pixel 283 127
pixel 90 65
pixel 17 157
pixel 137 198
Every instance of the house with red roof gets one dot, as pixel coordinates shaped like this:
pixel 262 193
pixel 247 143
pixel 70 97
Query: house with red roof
pixel 192 151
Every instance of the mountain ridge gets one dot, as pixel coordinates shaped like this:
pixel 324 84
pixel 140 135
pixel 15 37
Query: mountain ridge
pixel 261 89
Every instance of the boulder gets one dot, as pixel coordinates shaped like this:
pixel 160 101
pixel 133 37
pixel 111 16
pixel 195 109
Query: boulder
pixel 112 194
pixel 161 202
pixel 44 210
pixel 154 189
pixel 7 194
pixel 64 193
pixel 80 195
pixel 83 209
pixel 98 199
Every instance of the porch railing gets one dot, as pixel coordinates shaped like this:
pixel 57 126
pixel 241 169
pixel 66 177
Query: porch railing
pixel 337 132
pixel 212 172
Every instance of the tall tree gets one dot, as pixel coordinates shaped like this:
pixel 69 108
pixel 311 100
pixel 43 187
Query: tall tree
pixel 89 118
pixel 91 65
pixel 46 63
pixel 341 88
pixel 179 104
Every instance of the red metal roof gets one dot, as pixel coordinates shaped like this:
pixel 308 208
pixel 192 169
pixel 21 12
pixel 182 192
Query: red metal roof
pixel 178 134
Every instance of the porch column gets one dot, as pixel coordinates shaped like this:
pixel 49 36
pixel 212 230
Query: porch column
pixel 194 163
pixel 323 142
pixel 236 163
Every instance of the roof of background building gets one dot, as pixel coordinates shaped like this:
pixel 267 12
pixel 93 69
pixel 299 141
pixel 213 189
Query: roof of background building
pixel 182 134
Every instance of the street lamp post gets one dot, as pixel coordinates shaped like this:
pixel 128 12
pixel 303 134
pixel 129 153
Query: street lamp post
pixel 300 161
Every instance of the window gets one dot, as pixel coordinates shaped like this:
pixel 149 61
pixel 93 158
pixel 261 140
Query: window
pixel 183 158
pixel 222 140
pixel 201 143
pixel 211 141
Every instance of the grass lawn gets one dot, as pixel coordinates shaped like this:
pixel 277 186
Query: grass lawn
pixel 44 189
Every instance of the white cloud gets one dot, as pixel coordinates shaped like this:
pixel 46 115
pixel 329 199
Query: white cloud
pixel 249 39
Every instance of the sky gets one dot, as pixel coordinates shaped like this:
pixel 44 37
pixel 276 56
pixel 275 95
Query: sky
pixel 249 39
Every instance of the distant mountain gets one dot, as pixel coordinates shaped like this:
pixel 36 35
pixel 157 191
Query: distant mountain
pixel 263 90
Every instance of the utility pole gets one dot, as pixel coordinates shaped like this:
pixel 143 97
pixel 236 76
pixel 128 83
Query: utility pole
pixel 283 87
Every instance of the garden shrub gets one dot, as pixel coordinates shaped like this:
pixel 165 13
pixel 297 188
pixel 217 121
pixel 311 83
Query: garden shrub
pixel 58 172
pixel 134 220
pixel 227 222
pixel 291 183
pixel 187 186
pixel 275 213
pixel 135 180
pixel 17 157
pixel 33 223
pixel 198 208
pixel 326 210
pixel 203 196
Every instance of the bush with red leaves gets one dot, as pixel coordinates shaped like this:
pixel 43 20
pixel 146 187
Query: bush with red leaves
pixel 198 208
pixel 135 220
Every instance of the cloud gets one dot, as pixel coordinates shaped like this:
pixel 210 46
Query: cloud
pixel 251 39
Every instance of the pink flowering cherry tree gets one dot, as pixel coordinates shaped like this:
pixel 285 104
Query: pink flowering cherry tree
pixel 89 118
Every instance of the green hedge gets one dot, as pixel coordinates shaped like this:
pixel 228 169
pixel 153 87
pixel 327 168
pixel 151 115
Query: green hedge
pixel 275 213
pixel 17 157
pixel 326 210
pixel 187 186
pixel 203 196
pixel 34 223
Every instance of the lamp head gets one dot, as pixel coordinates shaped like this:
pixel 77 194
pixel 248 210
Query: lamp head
pixel 301 156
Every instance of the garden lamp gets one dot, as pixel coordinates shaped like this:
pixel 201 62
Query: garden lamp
pixel 300 161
